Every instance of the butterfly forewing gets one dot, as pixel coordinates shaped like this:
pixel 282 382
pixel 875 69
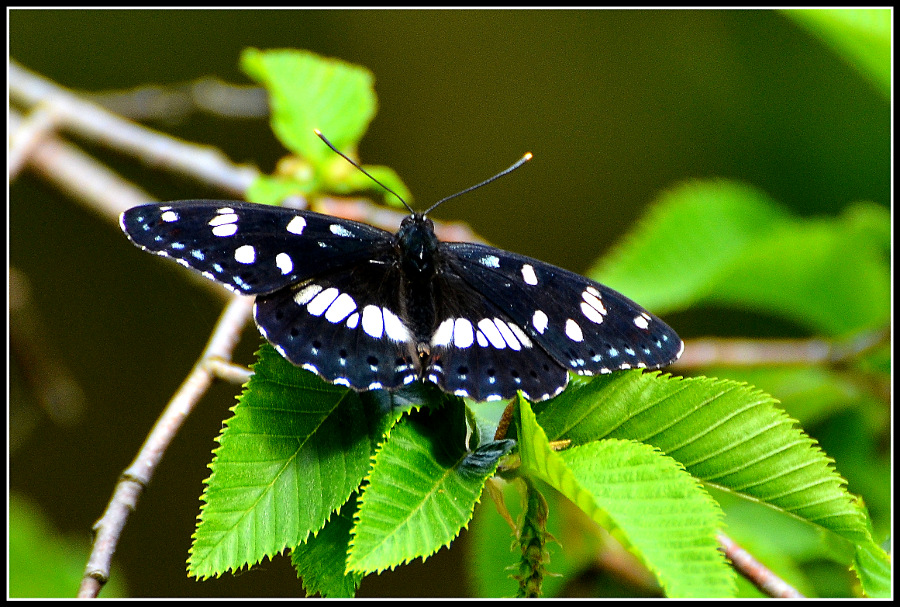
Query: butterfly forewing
pixel 250 248
pixel 583 325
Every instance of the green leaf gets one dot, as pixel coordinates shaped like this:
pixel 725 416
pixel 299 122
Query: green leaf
pixel 724 433
pixel 727 434
pixel 722 243
pixel 42 561
pixel 861 37
pixel 309 92
pixel 644 498
pixel 267 189
pixel 422 489
pixel 292 453
pixel 873 567
pixel 322 559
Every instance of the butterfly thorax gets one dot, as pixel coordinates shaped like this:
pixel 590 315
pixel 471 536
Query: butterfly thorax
pixel 417 246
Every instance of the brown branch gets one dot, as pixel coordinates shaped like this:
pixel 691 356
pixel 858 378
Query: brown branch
pixel 136 477
pixel 704 352
pixel 177 101
pixel 94 123
pixel 758 574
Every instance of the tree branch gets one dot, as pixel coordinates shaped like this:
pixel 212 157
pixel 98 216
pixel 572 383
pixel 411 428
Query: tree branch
pixel 758 574
pixel 88 120
pixel 136 477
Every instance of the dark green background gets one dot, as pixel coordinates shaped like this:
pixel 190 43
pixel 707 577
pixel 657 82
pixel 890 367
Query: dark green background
pixel 615 105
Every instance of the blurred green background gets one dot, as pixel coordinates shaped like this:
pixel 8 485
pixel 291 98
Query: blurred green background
pixel 616 106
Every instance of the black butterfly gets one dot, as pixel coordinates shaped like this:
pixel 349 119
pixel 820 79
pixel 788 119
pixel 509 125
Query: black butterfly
pixel 368 309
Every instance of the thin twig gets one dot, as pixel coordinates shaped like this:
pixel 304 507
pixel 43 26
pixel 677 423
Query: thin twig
pixel 135 478
pixel 99 189
pixel 26 134
pixel 758 574
pixel 89 120
pixel 228 371
pixel 173 102
pixel 78 175
pixel 752 352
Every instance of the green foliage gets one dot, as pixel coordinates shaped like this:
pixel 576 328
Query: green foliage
pixel 422 489
pixel 42 562
pixel 645 499
pixel 738 248
pixel 292 454
pixel 357 483
pixel 308 92
pixel 862 37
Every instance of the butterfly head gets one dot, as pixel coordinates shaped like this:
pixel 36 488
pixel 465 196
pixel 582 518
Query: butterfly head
pixel 418 245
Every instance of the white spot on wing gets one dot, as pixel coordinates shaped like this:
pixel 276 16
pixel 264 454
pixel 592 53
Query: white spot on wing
pixel 229 229
pixel 592 306
pixel 245 254
pixel 373 321
pixel 221 220
pixel 528 274
pixel 444 333
pixel 169 216
pixel 573 330
pixel 491 261
pixel 340 309
pixel 296 225
pixel 642 321
pixel 591 313
pixel 491 331
pixel 463 334
pixel 508 336
pixel 284 263
pixel 520 335
pixel 321 301
pixel 539 321
pixel 303 296
pixel 340 230
pixel 353 321
pixel 394 327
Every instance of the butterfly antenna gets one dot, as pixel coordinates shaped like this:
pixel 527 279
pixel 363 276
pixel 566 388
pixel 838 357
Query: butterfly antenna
pixel 518 163
pixel 364 172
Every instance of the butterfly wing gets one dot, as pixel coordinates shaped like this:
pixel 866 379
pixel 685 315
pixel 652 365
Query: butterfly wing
pixel 250 248
pixel 479 351
pixel 583 325
pixel 347 326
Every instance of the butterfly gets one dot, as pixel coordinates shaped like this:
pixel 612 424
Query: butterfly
pixel 368 309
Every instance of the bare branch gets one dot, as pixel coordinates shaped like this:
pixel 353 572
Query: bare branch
pixel 177 101
pixel 749 352
pixel 76 115
pixel 131 484
pixel 758 574
pixel 78 175
pixel 228 371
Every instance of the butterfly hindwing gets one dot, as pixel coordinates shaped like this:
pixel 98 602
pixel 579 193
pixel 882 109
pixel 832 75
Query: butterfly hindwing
pixel 585 326
pixel 250 248
pixel 478 351
pixel 347 326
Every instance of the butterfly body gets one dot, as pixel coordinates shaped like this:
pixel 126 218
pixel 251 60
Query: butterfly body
pixel 370 309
